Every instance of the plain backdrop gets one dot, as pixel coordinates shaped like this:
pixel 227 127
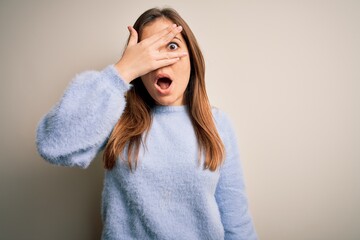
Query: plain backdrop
pixel 286 72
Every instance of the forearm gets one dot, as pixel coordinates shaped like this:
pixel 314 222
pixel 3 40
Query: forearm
pixel 78 126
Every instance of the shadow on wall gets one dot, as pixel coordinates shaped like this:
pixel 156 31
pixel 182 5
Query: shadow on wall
pixel 48 203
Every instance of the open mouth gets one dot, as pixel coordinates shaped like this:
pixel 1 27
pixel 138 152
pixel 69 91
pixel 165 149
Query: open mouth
pixel 164 82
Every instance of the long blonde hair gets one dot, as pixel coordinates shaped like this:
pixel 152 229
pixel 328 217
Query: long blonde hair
pixel 136 118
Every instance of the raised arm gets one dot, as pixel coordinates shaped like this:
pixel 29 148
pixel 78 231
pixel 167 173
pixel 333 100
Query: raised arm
pixel 78 126
pixel 230 193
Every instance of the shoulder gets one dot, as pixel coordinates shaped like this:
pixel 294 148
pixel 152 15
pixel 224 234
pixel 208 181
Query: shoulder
pixel 227 134
pixel 220 117
pixel 223 123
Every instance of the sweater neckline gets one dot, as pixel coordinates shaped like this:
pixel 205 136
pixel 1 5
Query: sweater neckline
pixel 168 109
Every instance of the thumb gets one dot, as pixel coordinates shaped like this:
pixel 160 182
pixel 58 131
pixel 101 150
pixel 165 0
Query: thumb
pixel 133 39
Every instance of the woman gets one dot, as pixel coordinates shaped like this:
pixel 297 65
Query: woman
pixel 172 163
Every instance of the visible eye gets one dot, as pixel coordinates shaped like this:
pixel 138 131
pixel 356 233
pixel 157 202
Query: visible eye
pixel 173 46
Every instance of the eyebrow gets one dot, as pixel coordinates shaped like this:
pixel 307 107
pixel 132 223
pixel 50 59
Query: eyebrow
pixel 178 39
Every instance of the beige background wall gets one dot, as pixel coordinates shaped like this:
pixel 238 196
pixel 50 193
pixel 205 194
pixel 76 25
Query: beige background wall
pixel 287 73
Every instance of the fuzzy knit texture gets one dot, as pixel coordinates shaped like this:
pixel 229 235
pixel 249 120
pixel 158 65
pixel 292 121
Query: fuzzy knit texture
pixel 169 195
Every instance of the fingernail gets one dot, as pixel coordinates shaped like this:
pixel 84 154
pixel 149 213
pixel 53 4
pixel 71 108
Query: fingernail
pixel 179 28
pixel 174 25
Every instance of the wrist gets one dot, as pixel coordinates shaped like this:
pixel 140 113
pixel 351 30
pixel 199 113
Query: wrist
pixel 123 72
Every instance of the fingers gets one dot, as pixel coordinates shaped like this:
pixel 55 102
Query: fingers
pixel 168 37
pixel 170 55
pixel 168 33
pixel 165 62
pixel 133 36
pixel 167 59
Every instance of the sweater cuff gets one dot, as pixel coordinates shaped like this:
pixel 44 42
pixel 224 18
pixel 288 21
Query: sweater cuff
pixel 115 79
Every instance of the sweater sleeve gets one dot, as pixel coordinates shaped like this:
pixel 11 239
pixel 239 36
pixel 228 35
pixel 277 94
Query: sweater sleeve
pixel 78 126
pixel 230 192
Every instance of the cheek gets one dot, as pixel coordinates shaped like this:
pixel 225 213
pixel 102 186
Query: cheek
pixel 146 81
pixel 183 67
pixel 187 71
pixel 146 78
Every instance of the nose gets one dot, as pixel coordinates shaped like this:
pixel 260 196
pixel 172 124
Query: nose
pixel 159 71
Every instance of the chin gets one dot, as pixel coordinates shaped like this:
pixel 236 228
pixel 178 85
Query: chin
pixel 165 103
pixel 168 102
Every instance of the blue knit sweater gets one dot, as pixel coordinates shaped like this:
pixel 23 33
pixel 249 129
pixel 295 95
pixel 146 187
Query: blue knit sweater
pixel 169 195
